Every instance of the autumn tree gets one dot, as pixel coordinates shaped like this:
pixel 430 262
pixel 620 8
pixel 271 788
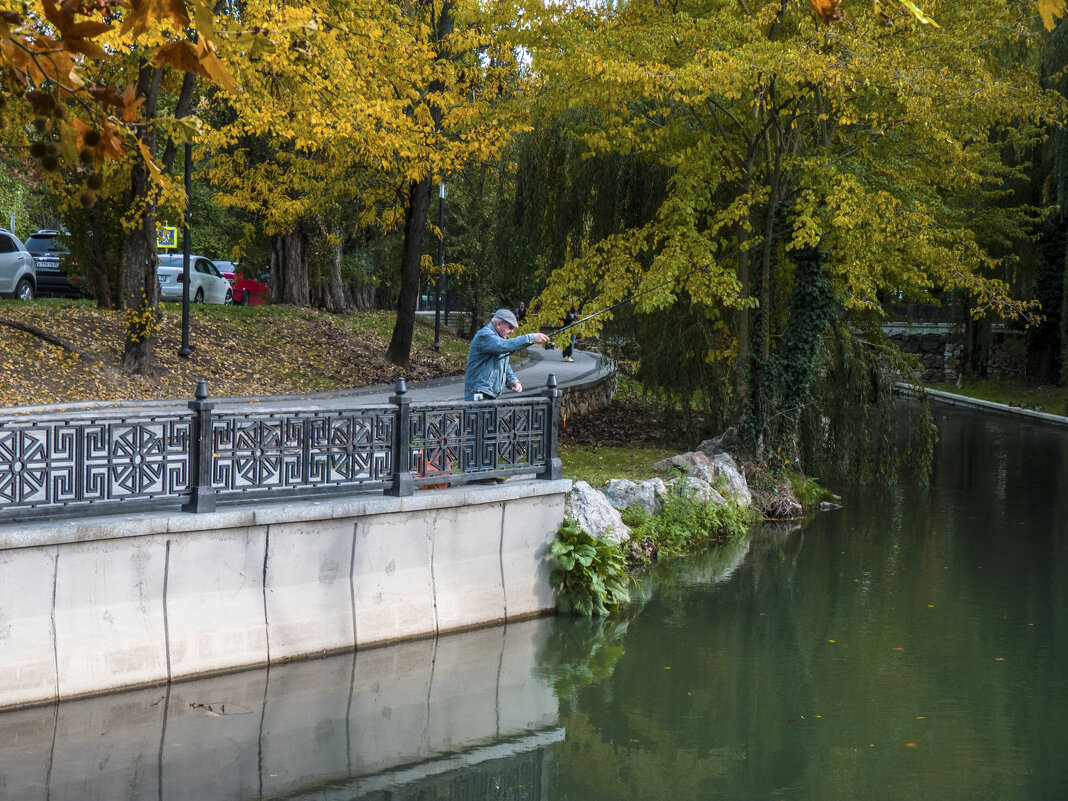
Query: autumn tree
pixel 854 151
pixel 464 115
pixel 304 145
pixel 91 73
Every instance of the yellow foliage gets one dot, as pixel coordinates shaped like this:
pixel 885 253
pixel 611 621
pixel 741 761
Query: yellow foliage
pixel 1051 10
pixel 875 135
pixel 397 103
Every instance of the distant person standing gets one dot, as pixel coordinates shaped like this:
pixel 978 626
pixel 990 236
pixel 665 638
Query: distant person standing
pixel 521 312
pixel 570 318
pixel 488 371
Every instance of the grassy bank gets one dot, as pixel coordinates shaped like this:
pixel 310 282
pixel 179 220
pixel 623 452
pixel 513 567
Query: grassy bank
pixel 1001 390
pixel 596 465
pixel 239 350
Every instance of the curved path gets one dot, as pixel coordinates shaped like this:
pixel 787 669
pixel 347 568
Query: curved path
pixel 533 373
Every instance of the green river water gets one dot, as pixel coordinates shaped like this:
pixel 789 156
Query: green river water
pixel 911 645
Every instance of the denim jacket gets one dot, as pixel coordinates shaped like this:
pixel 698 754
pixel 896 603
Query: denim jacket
pixel 488 370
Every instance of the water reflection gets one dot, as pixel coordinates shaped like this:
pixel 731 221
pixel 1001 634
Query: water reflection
pixel 910 645
pixel 414 715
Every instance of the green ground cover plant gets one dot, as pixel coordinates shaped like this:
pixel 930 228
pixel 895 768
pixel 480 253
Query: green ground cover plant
pixel 590 573
pixel 686 523
pixel 808 490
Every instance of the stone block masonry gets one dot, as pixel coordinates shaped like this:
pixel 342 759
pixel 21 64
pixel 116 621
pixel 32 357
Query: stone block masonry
pixel 97 605
pixel 579 399
pixel 940 351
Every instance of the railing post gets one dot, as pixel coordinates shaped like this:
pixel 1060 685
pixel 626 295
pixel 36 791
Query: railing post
pixel 201 493
pixel 554 468
pixel 402 477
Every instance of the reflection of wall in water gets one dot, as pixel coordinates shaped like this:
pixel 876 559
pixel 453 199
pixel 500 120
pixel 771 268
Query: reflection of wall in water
pixel 517 769
pixel 408 714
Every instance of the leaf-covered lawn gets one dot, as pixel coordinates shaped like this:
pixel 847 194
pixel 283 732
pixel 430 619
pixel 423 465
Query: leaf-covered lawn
pixel 239 350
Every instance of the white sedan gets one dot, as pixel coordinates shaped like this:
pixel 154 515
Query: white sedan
pixel 206 283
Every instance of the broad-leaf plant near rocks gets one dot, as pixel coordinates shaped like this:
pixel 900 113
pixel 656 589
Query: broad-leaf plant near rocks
pixel 590 573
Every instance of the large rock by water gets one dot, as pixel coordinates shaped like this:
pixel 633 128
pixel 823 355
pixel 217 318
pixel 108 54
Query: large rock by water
pixel 682 461
pixel 594 513
pixel 704 477
pixel 697 489
pixel 622 492
pixel 723 470
pixel 725 441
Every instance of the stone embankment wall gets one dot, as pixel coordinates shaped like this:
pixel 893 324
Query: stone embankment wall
pixel 940 353
pixel 578 400
pixel 94 605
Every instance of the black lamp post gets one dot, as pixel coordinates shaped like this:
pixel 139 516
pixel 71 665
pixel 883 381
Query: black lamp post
pixel 441 268
pixel 185 351
pixel 441 256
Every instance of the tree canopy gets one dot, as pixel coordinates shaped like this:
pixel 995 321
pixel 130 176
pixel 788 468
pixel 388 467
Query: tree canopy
pixel 755 170
pixel 874 141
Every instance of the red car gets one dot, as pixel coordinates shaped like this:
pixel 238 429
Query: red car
pixel 247 291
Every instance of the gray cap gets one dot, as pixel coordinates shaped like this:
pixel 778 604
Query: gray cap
pixel 505 315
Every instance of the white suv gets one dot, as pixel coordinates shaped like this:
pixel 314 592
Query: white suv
pixel 18 274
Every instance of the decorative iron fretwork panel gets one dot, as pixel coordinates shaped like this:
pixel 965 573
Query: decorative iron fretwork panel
pixel 65 465
pixel 478 437
pixel 302 449
pixel 57 463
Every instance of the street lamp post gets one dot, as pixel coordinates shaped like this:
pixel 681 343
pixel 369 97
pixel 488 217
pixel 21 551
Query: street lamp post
pixel 441 268
pixel 185 351
pixel 441 255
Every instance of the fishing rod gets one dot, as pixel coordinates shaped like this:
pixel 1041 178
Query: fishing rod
pixel 627 299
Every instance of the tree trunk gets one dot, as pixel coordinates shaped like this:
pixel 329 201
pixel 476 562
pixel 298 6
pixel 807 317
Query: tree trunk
pixel 139 286
pixel 334 297
pixel 289 272
pixel 183 109
pixel 775 160
pixel 1063 376
pixel 744 314
pixel 400 344
pixel 99 262
pixel 363 299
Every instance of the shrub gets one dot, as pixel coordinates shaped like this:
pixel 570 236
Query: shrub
pixel 807 490
pixel 686 523
pixel 590 572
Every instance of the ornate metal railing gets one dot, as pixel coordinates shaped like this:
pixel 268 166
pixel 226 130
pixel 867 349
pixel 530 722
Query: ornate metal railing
pixel 67 465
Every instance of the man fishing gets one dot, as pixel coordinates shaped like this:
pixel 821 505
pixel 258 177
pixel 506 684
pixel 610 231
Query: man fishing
pixel 488 371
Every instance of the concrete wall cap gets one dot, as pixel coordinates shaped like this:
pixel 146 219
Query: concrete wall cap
pixel 33 534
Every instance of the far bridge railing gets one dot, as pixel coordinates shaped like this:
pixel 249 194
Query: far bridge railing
pixel 71 465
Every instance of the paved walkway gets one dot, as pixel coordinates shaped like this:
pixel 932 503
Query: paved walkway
pixel 533 373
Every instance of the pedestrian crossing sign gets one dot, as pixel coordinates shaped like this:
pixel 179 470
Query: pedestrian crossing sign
pixel 166 237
